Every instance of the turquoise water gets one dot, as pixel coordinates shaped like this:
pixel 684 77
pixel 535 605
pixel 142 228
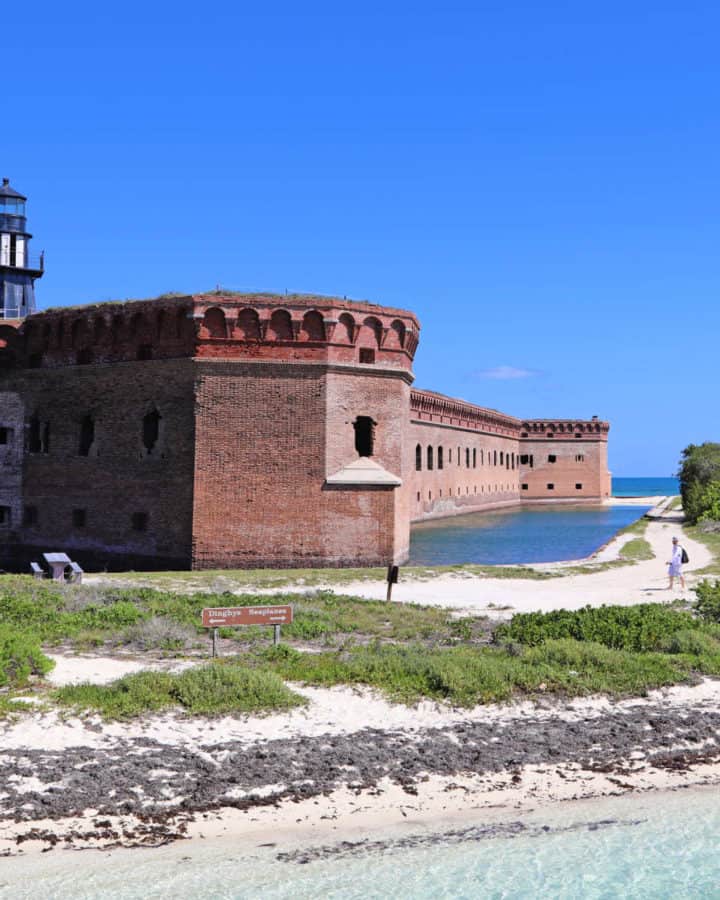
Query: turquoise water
pixel 645 487
pixel 512 537
pixel 639 846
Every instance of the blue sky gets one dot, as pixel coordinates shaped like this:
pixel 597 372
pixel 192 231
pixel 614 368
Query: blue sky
pixel 538 182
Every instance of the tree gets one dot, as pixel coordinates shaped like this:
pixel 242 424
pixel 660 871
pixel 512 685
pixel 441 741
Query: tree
pixel 699 472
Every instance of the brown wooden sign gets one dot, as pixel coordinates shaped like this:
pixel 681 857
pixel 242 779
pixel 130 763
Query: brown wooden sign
pixel 219 617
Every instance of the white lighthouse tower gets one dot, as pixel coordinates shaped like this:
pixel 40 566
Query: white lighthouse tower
pixel 18 270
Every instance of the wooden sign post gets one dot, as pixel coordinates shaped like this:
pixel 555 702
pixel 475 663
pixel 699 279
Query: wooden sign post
pixel 392 578
pixel 234 616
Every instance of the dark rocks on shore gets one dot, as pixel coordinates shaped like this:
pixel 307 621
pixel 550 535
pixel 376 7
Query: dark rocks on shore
pixel 156 782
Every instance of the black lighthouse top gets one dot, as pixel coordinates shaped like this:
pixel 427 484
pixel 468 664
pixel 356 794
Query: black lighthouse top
pixel 12 209
pixel 18 269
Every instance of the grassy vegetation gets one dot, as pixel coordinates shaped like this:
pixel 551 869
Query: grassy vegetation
pixel 146 618
pixel 637 549
pixel 675 503
pixel 20 657
pixel 465 676
pixel 711 539
pixel 638 527
pixel 207 690
pixel 407 651
pixel 220 580
pixel 636 628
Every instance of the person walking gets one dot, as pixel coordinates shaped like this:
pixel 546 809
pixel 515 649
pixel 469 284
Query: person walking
pixel 675 565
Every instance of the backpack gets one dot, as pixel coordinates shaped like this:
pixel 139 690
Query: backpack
pixel 684 558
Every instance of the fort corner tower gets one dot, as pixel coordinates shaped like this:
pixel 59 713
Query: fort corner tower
pixel 18 270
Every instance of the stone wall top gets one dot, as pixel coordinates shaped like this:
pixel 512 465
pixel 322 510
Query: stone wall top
pixel 292 327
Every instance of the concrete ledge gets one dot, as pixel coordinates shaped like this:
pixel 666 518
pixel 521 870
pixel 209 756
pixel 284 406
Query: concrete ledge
pixel 364 471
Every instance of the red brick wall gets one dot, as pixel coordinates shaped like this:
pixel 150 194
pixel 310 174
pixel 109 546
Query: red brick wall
pixel 118 478
pixel 268 434
pixel 577 462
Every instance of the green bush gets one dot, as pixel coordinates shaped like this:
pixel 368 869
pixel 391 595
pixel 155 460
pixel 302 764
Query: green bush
pixel 699 470
pixel 636 628
pixel 205 690
pixel 708 600
pixel 709 503
pixel 466 676
pixel 20 657
pixel 693 643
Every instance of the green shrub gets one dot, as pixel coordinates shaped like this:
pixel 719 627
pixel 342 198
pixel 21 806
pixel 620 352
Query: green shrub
pixel 693 642
pixel 636 628
pixel 708 600
pixel 466 676
pixel 709 503
pixel 212 689
pixel 20 657
pixel 638 548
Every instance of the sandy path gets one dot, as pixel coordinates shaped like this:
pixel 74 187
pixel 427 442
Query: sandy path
pixel 644 582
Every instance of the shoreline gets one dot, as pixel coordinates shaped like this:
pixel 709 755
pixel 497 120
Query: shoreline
pixel 368 765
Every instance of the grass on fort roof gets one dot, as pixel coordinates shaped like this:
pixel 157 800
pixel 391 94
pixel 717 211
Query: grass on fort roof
pixel 215 292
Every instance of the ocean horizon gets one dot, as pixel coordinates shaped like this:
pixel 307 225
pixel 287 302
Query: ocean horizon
pixel 645 487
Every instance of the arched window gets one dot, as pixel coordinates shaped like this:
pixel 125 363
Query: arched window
pixel 418 458
pixel 313 327
pixel 474 458
pixel 214 323
pixel 396 335
pixel 467 457
pixel 364 435
pixel 248 325
pixel 280 328
pixel 345 331
pixel 370 333
pixel 430 458
pixel 440 457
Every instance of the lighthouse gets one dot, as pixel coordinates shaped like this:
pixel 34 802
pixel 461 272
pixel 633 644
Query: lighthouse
pixel 18 270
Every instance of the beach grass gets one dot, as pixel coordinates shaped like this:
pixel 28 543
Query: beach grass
pixel 213 689
pixel 711 539
pixel 221 580
pixel 407 651
pixel 466 676
pixel 638 527
pixel 169 621
pixel 637 549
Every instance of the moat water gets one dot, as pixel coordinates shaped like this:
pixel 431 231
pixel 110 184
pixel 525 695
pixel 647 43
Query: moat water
pixel 517 536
